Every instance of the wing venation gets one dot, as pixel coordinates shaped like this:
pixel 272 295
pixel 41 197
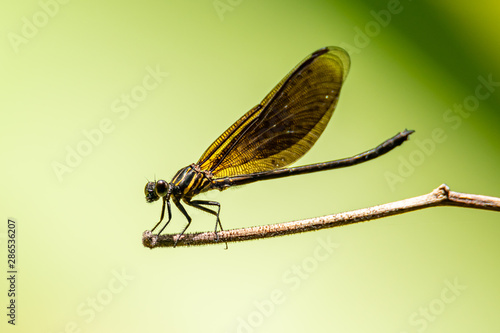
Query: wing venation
pixel 286 124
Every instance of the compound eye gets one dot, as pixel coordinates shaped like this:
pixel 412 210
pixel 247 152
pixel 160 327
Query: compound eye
pixel 161 188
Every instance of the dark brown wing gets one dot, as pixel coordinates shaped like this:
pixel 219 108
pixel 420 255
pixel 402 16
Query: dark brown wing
pixel 286 124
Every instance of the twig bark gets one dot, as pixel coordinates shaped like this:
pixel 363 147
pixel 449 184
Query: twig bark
pixel 441 196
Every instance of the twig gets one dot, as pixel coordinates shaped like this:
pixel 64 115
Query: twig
pixel 441 196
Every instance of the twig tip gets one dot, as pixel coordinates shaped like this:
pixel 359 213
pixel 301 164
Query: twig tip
pixel 148 239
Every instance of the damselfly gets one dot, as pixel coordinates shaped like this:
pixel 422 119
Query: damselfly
pixel 269 137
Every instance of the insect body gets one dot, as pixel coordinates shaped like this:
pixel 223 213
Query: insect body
pixel 268 138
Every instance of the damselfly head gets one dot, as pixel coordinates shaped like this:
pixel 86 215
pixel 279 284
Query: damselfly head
pixel 150 192
pixel 156 190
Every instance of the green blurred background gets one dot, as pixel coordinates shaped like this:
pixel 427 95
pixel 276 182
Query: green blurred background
pixel 66 71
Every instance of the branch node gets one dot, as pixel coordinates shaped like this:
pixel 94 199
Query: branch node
pixel 442 193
